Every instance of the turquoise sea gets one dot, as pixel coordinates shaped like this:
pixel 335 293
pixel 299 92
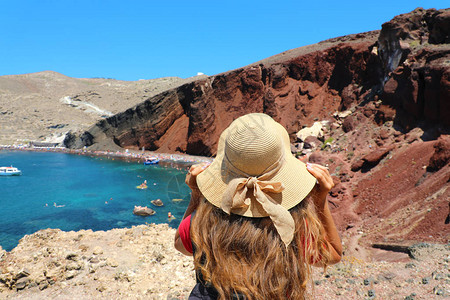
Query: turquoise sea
pixel 73 192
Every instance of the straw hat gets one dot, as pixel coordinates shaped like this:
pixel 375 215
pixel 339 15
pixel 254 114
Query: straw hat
pixel 254 173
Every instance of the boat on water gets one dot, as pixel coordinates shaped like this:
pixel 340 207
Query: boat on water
pixel 151 160
pixel 143 185
pixel 9 171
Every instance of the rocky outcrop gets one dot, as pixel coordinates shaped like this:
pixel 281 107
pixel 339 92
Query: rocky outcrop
pixel 414 50
pixel 158 123
pixel 143 211
pixel 405 66
pixel 131 263
pixel 441 155
pixel 371 159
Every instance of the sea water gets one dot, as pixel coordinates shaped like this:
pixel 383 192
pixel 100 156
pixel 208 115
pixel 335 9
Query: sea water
pixel 74 192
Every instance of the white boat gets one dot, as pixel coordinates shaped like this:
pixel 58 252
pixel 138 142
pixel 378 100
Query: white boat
pixel 152 160
pixel 9 171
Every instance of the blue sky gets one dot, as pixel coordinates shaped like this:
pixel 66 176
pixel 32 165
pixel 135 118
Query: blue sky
pixel 134 39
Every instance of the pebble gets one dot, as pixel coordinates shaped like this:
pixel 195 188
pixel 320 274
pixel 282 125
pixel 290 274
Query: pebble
pixel 22 283
pixel 97 250
pixel 410 265
pixel 425 280
pixel 72 256
pixel 437 276
pixel 351 281
pixel 438 291
pixel 112 262
pixel 94 260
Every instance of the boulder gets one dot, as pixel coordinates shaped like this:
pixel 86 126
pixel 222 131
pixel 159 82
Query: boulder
pixel 348 124
pixel 441 155
pixel 143 211
pixel 314 131
pixel 311 142
pixel 22 283
pixel 157 202
pixel 318 158
pixel 371 159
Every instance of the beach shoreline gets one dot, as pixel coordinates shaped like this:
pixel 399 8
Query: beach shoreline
pixel 166 159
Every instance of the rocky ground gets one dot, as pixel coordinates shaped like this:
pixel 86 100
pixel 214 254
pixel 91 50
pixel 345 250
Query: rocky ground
pixel 141 263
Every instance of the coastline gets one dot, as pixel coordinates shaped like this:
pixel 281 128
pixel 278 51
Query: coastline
pixel 167 160
pixel 128 155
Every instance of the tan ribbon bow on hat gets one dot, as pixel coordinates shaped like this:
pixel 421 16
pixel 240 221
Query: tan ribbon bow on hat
pixel 235 198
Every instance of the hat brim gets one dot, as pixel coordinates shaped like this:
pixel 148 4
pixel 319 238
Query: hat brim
pixel 294 176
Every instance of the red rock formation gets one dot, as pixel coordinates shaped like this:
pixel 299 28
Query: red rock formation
pixel 441 155
pixel 295 88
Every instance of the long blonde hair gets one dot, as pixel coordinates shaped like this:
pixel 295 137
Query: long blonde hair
pixel 246 255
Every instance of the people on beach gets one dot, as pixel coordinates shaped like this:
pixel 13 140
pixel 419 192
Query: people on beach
pixel 258 218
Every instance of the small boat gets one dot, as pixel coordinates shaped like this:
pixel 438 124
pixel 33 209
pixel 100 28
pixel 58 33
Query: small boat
pixel 9 171
pixel 152 160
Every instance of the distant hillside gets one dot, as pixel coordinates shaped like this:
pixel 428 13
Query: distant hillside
pixel 46 105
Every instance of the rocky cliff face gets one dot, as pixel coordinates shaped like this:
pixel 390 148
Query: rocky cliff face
pixel 414 51
pixel 296 88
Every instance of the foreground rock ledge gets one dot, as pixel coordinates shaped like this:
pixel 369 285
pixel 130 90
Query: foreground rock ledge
pixel 134 263
pixel 141 263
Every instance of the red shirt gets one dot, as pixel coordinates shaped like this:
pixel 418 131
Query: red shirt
pixel 185 233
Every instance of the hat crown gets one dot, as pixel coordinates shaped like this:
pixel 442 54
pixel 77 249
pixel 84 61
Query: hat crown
pixel 252 147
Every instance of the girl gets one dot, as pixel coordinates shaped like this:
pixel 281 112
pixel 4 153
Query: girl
pixel 258 217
